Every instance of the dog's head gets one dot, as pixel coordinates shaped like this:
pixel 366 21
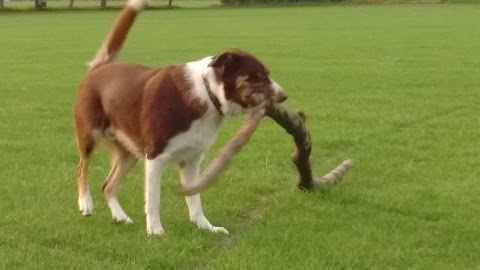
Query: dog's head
pixel 246 81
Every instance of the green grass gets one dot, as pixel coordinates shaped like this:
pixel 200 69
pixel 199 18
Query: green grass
pixel 395 88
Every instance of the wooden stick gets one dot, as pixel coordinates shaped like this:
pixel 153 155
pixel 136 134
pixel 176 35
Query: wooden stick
pixel 335 175
pixel 294 124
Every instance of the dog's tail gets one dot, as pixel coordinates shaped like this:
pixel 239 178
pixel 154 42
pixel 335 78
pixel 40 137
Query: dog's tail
pixel 112 45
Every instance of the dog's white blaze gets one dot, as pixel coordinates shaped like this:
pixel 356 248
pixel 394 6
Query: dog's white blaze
pixel 85 203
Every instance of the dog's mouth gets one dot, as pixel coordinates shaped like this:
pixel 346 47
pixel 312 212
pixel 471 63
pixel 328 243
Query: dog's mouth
pixel 280 97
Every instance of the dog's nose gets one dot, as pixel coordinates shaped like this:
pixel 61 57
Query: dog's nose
pixel 281 97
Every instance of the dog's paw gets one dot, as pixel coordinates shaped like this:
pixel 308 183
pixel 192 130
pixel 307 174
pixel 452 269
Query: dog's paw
pixel 219 230
pixel 203 223
pixel 125 219
pixel 155 230
pixel 85 204
pixel 154 227
pixel 117 212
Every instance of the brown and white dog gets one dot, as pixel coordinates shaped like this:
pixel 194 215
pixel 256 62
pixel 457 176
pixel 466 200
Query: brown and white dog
pixel 163 115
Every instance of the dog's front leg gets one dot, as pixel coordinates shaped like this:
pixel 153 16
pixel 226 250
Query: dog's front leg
pixel 153 174
pixel 189 172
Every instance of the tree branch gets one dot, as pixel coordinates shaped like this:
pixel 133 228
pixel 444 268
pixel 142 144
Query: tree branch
pixel 294 124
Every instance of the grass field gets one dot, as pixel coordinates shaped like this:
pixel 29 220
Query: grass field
pixel 396 88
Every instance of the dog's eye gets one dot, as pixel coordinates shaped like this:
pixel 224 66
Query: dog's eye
pixel 263 75
pixel 254 78
pixel 258 77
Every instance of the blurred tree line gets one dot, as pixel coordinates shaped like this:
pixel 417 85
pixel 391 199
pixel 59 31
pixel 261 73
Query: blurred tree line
pixel 253 2
pixel 42 4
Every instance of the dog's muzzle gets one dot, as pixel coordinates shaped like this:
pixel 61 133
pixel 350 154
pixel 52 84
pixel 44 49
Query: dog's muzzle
pixel 279 95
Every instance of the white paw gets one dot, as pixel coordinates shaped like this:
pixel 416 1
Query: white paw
pixel 219 230
pixel 125 219
pixel 155 230
pixel 154 227
pixel 117 212
pixel 203 223
pixel 85 204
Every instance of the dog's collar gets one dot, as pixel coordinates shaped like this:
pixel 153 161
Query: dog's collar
pixel 212 96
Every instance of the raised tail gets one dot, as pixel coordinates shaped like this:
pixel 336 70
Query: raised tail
pixel 112 45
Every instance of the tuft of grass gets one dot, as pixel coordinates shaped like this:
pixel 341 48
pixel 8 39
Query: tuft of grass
pixel 395 88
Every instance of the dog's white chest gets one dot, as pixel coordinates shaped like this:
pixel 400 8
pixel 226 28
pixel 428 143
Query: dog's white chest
pixel 196 140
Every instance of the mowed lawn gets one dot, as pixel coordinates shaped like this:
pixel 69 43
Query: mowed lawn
pixel 394 87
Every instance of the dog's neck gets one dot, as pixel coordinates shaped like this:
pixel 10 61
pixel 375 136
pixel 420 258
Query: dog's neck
pixel 212 96
pixel 195 73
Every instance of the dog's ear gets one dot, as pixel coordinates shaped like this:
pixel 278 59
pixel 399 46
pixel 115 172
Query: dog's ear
pixel 226 63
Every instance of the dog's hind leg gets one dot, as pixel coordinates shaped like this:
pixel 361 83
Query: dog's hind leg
pixel 189 172
pixel 121 163
pixel 86 145
pixel 88 120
